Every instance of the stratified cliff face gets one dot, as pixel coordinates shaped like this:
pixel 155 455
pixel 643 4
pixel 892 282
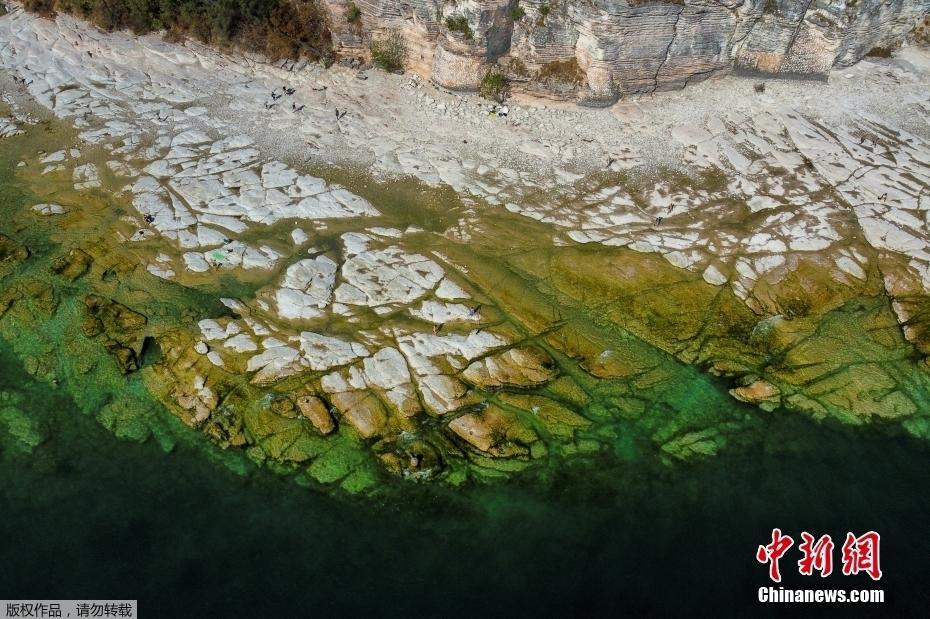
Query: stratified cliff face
pixel 599 50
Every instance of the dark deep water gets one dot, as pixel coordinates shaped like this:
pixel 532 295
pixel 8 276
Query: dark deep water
pixel 89 516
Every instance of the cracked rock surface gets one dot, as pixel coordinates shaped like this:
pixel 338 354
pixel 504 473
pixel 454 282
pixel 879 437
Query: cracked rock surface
pixel 470 320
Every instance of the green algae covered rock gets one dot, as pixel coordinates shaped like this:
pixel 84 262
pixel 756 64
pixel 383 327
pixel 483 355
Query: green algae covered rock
pixel 119 328
pixel 341 458
pixel 72 265
pixel 19 431
pixel 128 418
pixel 12 254
pixel 555 419
pixel 703 443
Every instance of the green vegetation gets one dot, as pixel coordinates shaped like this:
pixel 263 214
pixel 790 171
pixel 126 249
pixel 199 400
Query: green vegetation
pixel 517 13
pixel 276 28
pixel 543 11
pixel 19 433
pixel 458 23
pixel 390 51
pixel 353 14
pixel 493 85
pixel 561 72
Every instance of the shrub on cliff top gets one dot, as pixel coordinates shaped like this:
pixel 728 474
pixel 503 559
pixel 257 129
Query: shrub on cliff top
pixel 277 28
pixel 493 85
pixel 389 51
pixel 353 14
pixel 458 23
pixel 294 28
pixel 46 8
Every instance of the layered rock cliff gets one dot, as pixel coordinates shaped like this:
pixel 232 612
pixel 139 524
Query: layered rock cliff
pixel 598 50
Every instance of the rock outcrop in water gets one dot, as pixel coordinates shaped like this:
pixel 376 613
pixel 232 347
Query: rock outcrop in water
pixel 600 50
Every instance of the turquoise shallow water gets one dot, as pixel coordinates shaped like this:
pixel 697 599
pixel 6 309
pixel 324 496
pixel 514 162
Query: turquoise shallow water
pixel 89 516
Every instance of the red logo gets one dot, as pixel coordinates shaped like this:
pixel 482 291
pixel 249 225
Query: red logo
pixel 859 554
pixel 817 556
pixel 773 552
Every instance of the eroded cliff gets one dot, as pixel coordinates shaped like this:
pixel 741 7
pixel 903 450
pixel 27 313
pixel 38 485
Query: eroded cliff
pixel 598 50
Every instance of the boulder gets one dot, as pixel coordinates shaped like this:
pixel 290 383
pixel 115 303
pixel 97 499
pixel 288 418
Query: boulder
pixel 760 392
pixel 317 413
pixel 363 411
pixel 517 367
pixel 494 431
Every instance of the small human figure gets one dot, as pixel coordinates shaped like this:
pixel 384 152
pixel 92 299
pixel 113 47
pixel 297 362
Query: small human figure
pixel 659 220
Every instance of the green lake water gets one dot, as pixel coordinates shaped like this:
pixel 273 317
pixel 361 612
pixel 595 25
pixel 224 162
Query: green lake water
pixel 89 516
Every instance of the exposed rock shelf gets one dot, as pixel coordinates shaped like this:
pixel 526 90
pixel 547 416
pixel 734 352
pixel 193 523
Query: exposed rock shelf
pixel 535 293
